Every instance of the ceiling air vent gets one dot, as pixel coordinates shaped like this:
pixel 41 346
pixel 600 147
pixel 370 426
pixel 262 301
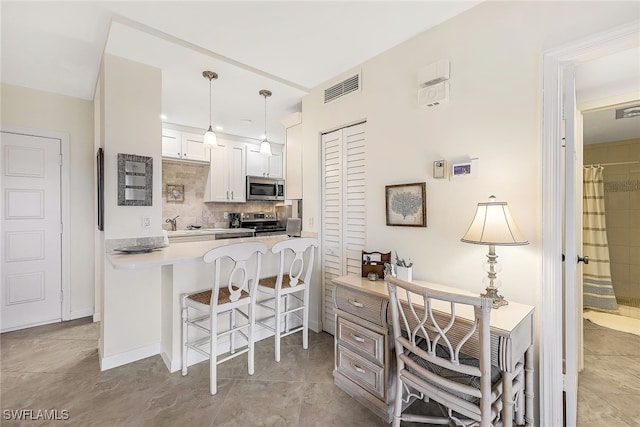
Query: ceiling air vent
pixel 349 85
pixel 622 113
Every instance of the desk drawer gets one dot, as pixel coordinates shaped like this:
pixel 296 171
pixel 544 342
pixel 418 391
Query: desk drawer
pixel 369 307
pixel 362 372
pixel 366 341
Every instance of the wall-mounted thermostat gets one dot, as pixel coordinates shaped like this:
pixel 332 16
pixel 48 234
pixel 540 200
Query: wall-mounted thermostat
pixel 439 169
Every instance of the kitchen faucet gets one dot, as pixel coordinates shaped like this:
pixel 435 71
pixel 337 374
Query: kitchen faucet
pixel 173 222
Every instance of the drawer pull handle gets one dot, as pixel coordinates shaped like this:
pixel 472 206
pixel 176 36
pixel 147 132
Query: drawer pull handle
pixel 356 303
pixel 357 338
pixel 358 369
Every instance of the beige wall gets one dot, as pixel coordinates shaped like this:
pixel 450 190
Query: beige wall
pixel 622 208
pixel 494 114
pixel 130 119
pixel 37 110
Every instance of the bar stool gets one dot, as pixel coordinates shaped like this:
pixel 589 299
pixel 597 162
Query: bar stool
pixel 291 284
pixel 239 264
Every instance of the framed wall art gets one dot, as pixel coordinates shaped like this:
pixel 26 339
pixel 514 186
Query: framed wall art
pixel 135 180
pixel 100 182
pixel 406 204
pixel 175 193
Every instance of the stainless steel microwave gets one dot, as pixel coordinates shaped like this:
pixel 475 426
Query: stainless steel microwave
pixel 261 188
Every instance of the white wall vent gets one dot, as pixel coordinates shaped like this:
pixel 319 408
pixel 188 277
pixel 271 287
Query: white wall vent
pixel 348 85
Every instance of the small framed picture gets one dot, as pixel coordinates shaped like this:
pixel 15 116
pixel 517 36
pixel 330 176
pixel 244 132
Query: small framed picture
pixel 406 204
pixel 463 170
pixel 175 193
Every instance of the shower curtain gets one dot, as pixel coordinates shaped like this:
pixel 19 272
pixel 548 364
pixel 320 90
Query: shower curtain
pixel 596 287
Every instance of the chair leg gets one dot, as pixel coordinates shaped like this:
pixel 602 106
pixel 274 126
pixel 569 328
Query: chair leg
pixel 397 405
pixel 185 332
pixel 250 336
pixel 232 325
pixel 287 317
pixel 277 325
pixel 305 318
pixel 213 354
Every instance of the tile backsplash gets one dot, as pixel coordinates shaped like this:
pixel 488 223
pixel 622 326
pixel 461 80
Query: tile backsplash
pixel 193 210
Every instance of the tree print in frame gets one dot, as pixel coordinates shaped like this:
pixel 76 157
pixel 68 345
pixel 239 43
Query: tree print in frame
pixel 406 204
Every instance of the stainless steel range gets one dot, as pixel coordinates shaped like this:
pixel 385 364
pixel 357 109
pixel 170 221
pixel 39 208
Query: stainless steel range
pixel 264 223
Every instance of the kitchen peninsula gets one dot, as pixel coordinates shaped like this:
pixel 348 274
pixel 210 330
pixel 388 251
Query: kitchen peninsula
pixel 141 314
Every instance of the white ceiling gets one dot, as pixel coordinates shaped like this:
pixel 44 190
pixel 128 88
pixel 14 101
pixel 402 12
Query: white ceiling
pixel 615 76
pixel 286 47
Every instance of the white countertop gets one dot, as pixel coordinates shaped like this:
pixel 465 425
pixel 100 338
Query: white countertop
pixel 208 231
pixel 178 253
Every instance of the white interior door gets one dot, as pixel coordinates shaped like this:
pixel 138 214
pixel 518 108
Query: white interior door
pixel 31 291
pixel 573 246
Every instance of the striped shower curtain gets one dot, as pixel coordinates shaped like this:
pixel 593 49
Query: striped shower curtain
pixel 597 287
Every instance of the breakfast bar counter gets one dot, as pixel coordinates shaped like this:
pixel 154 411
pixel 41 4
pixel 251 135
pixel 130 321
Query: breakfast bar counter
pixel 140 304
pixel 179 253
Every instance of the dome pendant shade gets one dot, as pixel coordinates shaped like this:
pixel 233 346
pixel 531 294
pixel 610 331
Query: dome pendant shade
pixel 265 146
pixel 210 139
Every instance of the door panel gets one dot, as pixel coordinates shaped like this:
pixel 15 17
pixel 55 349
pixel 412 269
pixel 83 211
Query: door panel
pixel 31 227
pixel 572 237
pixel 343 209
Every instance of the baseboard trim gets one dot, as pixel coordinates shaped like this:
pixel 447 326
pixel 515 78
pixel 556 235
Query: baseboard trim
pixel 96 317
pixel 130 356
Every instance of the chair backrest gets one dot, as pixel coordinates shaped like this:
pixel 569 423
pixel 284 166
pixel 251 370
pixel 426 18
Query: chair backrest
pixel 237 268
pixel 292 259
pixel 434 327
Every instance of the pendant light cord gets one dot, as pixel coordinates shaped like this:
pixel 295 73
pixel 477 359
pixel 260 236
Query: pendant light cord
pixel 210 115
pixel 265 118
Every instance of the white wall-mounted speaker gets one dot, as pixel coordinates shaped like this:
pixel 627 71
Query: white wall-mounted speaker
pixel 434 73
pixel 433 95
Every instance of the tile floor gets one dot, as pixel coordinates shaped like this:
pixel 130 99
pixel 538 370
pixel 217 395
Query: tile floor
pixel 609 386
pixel 56 367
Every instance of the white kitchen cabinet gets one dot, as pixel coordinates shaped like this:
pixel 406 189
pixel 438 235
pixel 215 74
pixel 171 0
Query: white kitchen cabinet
pixel 227 174
pixel 293 188
pixel 184 146
pixel 260 165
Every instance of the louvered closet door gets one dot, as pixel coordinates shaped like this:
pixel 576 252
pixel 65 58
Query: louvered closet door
pixel 343 223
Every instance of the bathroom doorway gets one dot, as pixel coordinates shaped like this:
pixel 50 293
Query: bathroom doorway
pixel 611 149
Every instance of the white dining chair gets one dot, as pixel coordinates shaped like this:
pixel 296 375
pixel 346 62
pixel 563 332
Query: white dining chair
pixel 287 293
pixel 435 334
pixel 232 293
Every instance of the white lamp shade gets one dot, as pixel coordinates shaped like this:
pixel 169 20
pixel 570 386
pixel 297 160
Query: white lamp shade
pixel 210 138
pixel 494 225
pixel 265 148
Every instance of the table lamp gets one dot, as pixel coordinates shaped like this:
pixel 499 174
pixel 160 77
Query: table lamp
pixel 493 225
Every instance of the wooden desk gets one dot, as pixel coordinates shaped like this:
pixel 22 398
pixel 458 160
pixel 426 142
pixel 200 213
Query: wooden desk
pixel 365 363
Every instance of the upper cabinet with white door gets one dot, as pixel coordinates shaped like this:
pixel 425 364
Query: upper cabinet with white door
pixel 261 165
pixel 293 152
pixel 227 176
pixel 184 146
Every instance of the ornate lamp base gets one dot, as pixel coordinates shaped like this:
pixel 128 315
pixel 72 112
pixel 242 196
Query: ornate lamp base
pixel 498 300
pixel 492 269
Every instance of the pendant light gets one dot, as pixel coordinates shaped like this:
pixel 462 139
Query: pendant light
pixel 265 146
pixel 210 139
